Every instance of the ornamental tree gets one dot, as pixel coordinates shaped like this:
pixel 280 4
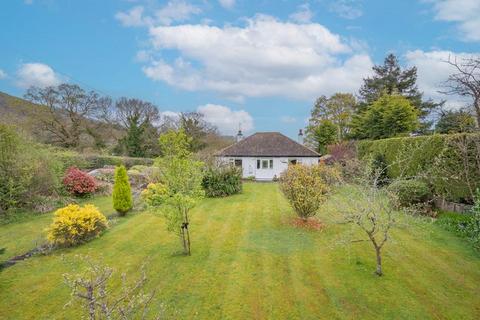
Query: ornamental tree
pixel 180 188
pixel 122 193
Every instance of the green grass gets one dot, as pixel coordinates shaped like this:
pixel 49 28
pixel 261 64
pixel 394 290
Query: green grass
pixel 248 263
pixel 19 237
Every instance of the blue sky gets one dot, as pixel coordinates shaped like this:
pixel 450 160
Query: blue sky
pixel 260 63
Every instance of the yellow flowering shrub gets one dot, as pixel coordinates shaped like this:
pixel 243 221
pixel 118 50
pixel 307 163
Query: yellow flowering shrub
pixel 74 224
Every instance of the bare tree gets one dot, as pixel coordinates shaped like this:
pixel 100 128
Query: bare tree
pixel 465 81
pixel 68 108
pixel 139 119
pixel 91 289
pixel 370 209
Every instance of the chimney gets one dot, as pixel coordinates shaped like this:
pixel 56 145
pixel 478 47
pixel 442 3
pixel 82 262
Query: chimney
pixel 300 136
pixel 239 135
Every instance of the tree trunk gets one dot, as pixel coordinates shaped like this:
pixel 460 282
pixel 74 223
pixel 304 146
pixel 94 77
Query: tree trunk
pixel 476 105
pixel 378 272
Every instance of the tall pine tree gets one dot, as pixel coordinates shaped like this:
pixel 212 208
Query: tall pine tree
pixel 391 79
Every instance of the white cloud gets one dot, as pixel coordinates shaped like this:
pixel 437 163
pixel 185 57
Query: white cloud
pixel 347 9
pixel 37 74
pixel 3 74
pixel 227 4
pixel 266 57
pixel 303 14
pixel 173 11
pixel 288 119
pixel 433 71
pixel 133 18
pixel 226 119
pixel 176 10
pixel 464 12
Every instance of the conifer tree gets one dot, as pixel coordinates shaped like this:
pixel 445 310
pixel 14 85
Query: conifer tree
pixel 122 193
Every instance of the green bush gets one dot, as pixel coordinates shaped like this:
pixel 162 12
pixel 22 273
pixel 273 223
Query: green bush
pixel 449 163
pixel 90 161
pixel 122 193
pixel 410 192
pixel 26 171
pixel 222 181
pixel 307 187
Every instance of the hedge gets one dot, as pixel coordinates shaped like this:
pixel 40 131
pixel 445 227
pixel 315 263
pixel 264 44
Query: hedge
pixel 450 163
pixel 93 161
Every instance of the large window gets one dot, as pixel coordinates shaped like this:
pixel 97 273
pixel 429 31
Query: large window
pixel 264 163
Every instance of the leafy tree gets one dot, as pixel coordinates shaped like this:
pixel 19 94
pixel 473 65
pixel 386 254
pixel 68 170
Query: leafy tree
pixel 338 109
pixel 455 122
pixel 138 118
pixel 181 184
pixel 322 135
pixel 122 193
pixel 391 79
pixel 389 116
pixel 175 143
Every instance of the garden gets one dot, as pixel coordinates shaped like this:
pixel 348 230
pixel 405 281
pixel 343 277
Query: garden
pixel 178 238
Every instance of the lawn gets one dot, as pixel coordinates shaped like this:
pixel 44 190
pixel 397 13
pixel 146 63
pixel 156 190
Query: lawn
pixel 248 262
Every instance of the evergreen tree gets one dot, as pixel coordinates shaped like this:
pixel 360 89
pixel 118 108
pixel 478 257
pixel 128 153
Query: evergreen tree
pixel 389 116
pixel 122 193
pixel 324 134
pixel 391 79
pixel 455 122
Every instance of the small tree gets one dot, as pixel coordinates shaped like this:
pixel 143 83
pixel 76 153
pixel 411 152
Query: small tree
pixel 181 185
pixel 307 187
pixel 91 290
pixel 323 134
pixel 122 193
pixel 370 209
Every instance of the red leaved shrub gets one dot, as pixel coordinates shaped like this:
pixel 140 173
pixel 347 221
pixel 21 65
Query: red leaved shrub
pixel 79 183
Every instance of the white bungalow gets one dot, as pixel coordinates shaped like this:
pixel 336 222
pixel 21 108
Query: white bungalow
pixel 265 155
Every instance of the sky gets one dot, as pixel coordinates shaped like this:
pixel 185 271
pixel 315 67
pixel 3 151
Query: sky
pixel 256 64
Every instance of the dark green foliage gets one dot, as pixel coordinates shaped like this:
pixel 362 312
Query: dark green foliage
pixel 410 192
pixel 122 193
pixel 323 134
pixel 222 181
pixel 26 171
pixel 447 162
pixel 391 79
pixel 455 122
pixel 379 170
pixel 389 116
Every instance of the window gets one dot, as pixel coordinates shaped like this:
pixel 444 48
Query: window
pixel 238 162
pixel 292 161
pixel 264 164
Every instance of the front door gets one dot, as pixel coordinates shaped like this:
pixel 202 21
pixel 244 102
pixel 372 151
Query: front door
pixel 264 169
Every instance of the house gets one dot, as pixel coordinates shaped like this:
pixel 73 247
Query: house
pixel 265 155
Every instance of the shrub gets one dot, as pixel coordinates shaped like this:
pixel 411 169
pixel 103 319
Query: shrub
pixel 79 183
pixel 307 187
pixel 449 163
pixel 26 171
pixel 410 192
pixel 222 181
pixel 73 225
pixel 122 193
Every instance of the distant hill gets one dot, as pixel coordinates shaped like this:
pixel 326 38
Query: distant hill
pixel 23 115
